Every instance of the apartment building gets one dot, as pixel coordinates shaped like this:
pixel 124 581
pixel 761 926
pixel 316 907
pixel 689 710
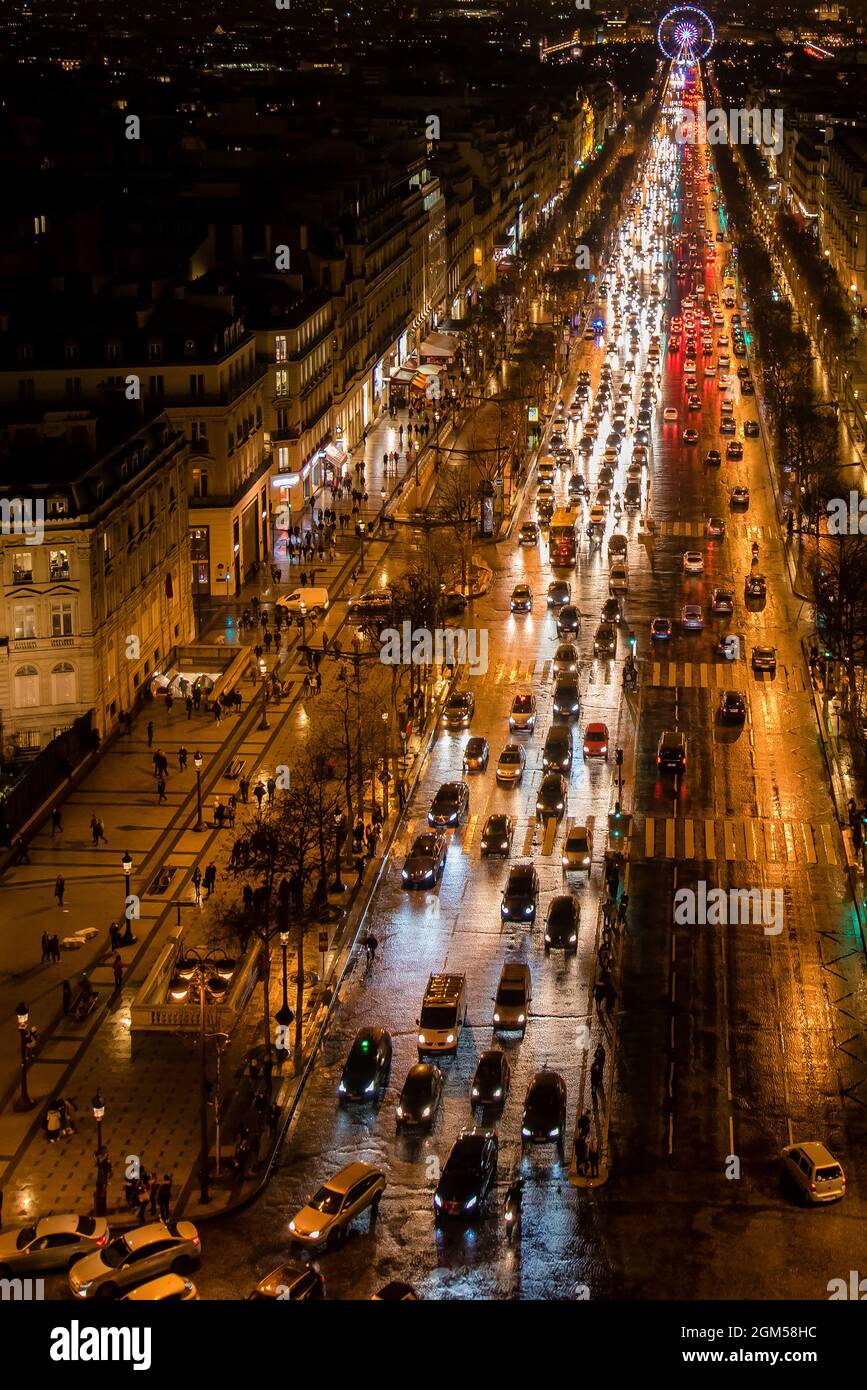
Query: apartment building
pixel 83 342
pixel 94 565
pixel 843 216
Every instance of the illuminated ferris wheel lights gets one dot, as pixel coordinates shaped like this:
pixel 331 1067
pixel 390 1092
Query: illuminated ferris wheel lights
pixel 685 34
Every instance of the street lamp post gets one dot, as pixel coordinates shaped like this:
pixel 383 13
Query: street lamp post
pixel 101 1194
pixel 385 772
pixel 210 971
pixel 338 885
pixel 23 1102
pixel 263 675
pixel 197 764
pixel 284 1017
pixel 126 865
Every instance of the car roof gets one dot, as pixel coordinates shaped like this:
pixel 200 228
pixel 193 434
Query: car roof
pixel 347 1177
pixel 157 1230
pixel 371 1034
pixel 597 728
pixel 57 1225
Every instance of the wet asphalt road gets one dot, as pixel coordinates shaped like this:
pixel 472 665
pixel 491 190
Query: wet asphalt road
pixel 726 1042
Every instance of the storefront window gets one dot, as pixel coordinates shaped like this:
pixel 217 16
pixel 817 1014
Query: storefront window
pixel 200 553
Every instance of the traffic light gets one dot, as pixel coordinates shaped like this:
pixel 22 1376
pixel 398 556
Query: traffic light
pixel 631 641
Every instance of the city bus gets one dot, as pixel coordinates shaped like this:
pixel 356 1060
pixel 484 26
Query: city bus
pixel 561 537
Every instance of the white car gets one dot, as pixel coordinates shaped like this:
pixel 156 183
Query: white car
pixel 691 617
pixel 135 1257
pixel 693 562
pixel 168 1288
pixel 815 1171
pixel 55 1242
pixel 578 850
pixel 670 414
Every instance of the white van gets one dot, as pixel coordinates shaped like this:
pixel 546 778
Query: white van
pixel 310 602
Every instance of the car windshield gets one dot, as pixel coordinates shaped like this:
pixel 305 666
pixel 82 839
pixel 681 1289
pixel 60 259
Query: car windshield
pixel 466 1156
pixel 520 883
pixel 523 704
pixel 510 997
pixel 327 1201
pixel 830 1173
pixel 561 913
pixel 510 755
pixel 595 736
pixel 424 845
pixel 116 1253
pixel 437 1016
pixel 496 825
pixel 446 796
pixel 460 702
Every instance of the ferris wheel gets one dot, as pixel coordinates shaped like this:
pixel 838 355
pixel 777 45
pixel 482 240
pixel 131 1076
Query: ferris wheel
pixel 685 34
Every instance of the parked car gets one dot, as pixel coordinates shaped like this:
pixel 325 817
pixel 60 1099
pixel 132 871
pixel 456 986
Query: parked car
pixel 296 1283
pixel 52 1242
pixel 158 1247
pixel 815 1172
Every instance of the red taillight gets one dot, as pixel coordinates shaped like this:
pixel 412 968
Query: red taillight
pixel 812 1187
pixel 101 1241
pixel 196 1240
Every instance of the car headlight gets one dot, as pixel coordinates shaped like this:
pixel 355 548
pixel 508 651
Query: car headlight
pixel 572 938
pixel 450 1038
pixel 342 1087
pixel 520 1018
pixel 586 860
pixel 314 1235
pixel 559 805
pixel 428 873
pixel 426 1112
pixel 470 1203
pixel 400 1112
pixel 405 874
pixel 552 1133
pixel 525 1131
pixel 498 1093
pixel 421 1037
pixel 475 1093
pixel 547 936
pixel 496 1018
pixel 504 844
pixel 438 1201
pixel 565 862
pixel 369 1088
pixel 292 1224
pixel 528 910
pixel 82 1288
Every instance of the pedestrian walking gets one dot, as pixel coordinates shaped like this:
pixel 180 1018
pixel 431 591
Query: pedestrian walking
pixel 197 698
pixel 244 789
pixel 114 934
pixel 273 1119
pixel 142 1197
pixel 56 822
pixel 360 861
pixel 117 968
pixel 242 1156
pixel 55 948
pixel 189 705
pixel 66 994
pixel 94 830
pixel 218 710
pixel 68 1110
pixel 259 793
pixel 170 700
pixel 150 733
pixel 53 1126
pixel 182 758
pixel 623 910
pixel 210 878
pixel 593 1155
pixel 231 807
pixel 59 889
pixel 154 1190
pixel 197 883
pixel 370 945
pixel 19 851
pixel 164 1196
pixel 272 789
pixel 161 790
pixel 595 1077
pixel 46 948
pixel 580 1154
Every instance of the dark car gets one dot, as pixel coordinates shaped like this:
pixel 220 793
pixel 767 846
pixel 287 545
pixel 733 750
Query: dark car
pixel 450 805
pixel 458 709
pixel 552 797
pixel 520 894
pixel 739 498
pixel 751 429
pixel 468 1177
pixel 562 924
pixel 366 1069
pixel 297 1283
pixel 671 752
pixel 497 835
pixel 566 701
pixel 528 534
pixel 747 388
pixel 521 600
pixel 420 1095
pixel 764 659
pixel 568 620
pixel 492 1079
pixel 732 709
pixel 557 752
pixel 544 1116
pixel 577 486
pixel 476 755
pixel 713 458
pixel 455 603
pixel 721 601
pixel 755 586
pixel 605 640
pixel 559 592
pixel 611 610
pixel 426 860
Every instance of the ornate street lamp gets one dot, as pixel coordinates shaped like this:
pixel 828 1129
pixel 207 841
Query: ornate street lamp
pixel 209 972
pixel 197 764
pixel 23 1102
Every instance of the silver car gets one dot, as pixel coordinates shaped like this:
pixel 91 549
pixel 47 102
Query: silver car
pixel 157 1248
pixel 55 1242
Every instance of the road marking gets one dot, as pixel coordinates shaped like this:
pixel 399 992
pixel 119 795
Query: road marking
pixel 648 837
pixel 770 848
pixel 669 838
pixel 469 833
pixel 550 836
pixel 709 840
pixel 807 832
pixel 749 828
pixel 829 844
pixel 689 840
pixel 656 674
pixel 528 840
pixel 687 675
pixel 791 850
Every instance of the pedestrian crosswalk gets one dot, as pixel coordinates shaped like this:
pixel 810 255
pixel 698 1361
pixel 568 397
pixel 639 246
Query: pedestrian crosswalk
pixel 720 675
pixel 697 530
pixel 739 838
pixel 512 672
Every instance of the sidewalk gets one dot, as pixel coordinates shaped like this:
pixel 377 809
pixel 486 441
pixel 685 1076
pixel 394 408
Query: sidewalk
pixel 152 1104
